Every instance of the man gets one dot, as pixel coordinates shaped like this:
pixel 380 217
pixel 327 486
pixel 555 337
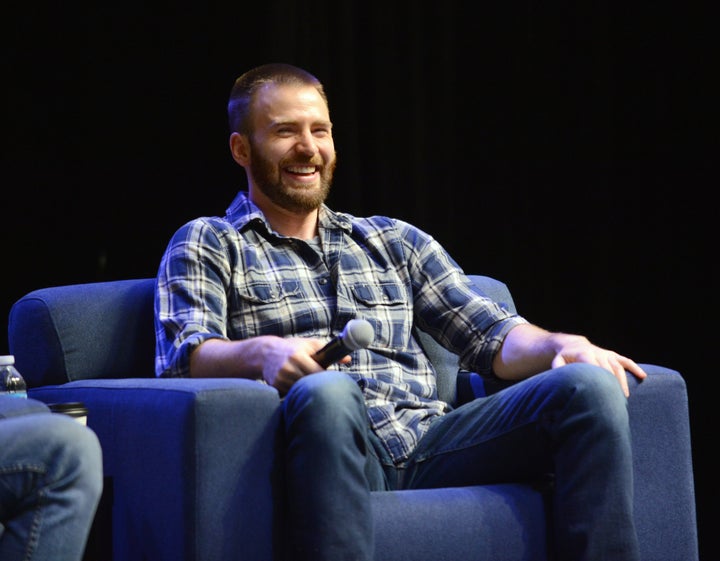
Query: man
pixel 50 482
pixel 256 293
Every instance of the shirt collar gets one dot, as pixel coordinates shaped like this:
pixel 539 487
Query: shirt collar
pixel 242 212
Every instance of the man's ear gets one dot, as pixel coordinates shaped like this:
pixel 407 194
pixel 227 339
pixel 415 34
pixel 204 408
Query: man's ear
pixel 240 148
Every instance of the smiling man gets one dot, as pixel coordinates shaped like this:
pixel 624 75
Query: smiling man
pixel 257 292
pixel 287 148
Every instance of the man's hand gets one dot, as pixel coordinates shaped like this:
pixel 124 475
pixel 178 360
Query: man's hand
pixel 280 362
pixel 288 360
pixel 529 349
pixel 576 348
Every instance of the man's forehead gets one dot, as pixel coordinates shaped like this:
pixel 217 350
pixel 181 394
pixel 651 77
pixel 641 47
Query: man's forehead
pixel 282 102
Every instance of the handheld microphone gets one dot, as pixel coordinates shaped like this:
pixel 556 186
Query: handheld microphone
pixel 357 334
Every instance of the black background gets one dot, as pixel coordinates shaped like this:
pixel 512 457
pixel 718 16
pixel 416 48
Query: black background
pixel 562 147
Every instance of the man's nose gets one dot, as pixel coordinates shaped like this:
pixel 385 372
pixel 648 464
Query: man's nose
pixel 306 144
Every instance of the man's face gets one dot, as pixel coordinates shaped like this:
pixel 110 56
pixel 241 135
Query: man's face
pixel 292 154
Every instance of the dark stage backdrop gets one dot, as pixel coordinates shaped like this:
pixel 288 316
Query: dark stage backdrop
pixel 561 147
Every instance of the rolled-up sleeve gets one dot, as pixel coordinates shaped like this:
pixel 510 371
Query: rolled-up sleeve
pixel 190 297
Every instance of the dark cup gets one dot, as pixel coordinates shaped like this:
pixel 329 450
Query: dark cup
pixel 74 409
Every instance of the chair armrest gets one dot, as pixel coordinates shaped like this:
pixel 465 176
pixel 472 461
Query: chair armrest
pixel 662 458
pixel 189 460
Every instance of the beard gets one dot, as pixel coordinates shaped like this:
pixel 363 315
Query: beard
pixel 267 178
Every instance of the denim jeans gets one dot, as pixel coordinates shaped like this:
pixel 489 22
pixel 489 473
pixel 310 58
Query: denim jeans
pixel 50 486
pixel 570 423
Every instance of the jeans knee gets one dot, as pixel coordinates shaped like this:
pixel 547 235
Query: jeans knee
pixel 326 401
pixel 79 450
pixel 595 390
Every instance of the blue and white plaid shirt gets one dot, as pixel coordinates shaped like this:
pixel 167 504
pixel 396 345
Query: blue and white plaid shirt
pixel 234 278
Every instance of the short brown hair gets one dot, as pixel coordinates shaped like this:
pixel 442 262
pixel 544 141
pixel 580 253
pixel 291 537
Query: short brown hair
pixel 245 87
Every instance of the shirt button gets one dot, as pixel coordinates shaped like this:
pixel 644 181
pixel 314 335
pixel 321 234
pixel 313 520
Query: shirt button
pixel 323 281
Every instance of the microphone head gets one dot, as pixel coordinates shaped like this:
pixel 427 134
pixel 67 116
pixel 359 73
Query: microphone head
pixel 357 334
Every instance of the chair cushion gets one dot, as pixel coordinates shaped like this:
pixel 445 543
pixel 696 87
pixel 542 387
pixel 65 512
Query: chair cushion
pixel 490 522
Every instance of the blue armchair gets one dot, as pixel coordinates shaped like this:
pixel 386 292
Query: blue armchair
pixel 191 465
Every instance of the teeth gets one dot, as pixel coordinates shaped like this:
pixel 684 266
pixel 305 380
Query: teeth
pixel 302 169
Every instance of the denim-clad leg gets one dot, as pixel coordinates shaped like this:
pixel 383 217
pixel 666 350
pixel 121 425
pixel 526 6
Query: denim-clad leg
pixel 50 486
pixel 572 421
pixel 329 508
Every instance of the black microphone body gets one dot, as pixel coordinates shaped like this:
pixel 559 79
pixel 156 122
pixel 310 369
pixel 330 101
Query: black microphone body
pixel 357 334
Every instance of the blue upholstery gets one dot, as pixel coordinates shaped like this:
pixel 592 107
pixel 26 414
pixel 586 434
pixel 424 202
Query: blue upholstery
pixel 192 466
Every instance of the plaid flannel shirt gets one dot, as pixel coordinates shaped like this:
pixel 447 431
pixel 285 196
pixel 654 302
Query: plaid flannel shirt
pixel 234 278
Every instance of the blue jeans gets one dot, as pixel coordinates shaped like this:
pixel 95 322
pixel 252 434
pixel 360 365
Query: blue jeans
pixel 50 486
pixel 570 422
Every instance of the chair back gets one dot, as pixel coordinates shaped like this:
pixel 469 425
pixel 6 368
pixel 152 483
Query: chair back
pixel 83 331
pixel 446 362
pixel 106 330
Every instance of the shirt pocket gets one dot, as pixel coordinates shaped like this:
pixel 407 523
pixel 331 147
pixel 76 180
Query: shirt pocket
pixel 267 293
pixel 265 307
pixel 387 306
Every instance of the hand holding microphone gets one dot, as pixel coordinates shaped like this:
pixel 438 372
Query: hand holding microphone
pixel 357 334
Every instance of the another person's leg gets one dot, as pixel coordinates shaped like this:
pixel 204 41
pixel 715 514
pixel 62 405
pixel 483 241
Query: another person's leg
pixel 328 504
pixel 50 486
pixel 571 421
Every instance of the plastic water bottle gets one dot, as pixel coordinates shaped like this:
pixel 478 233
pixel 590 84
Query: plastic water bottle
pixel 11 382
